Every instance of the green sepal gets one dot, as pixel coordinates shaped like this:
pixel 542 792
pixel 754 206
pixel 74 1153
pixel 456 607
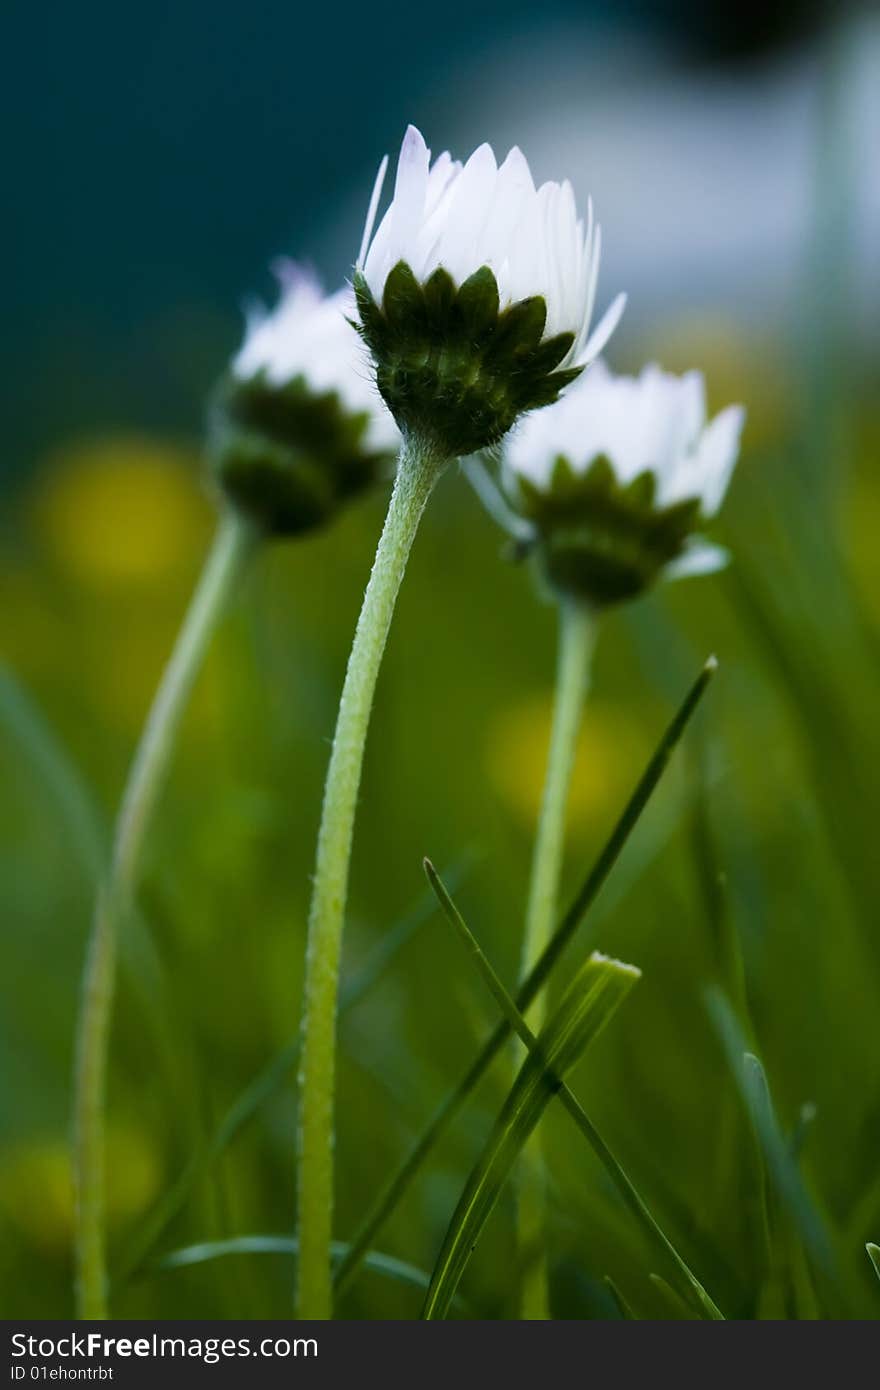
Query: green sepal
pixel 286 457
pixel 518 330
pixel 371 325
pixel 403 302
pixel 439 295
pixel 454 368
pixel 552 351
pixel 599 539
pixel 478 303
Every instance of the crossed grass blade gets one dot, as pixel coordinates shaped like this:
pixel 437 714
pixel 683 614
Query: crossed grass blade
pixel 389 1198
pixel 594 995
pixel 688 1287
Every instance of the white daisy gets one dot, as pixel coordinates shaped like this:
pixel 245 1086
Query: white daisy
pixel 615 476
pixel 462 217
pixel 296 426
pixel 309 335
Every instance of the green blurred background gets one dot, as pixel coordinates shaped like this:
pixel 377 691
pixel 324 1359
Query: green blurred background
pixel 163 154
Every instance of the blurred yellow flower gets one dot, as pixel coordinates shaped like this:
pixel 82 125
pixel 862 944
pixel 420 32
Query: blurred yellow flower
pixel 611 751
pixel 122 509
pixel 36 1190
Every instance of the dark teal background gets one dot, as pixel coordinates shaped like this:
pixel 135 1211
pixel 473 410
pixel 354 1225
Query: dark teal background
pixel 156 155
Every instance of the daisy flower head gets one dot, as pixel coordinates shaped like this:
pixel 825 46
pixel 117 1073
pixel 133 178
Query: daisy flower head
pixel 297 426
pixel 475 294
pixel 614 480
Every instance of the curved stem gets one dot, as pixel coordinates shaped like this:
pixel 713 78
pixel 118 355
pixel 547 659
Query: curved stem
pixel 417 472
pixel 576 636
pixel 232 546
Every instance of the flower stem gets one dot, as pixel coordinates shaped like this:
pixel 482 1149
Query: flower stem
pixel 417 472
pixel 576 637
pixel 233 545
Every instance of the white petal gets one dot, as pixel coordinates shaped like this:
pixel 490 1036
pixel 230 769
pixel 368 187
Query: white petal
pixel 308 335
pixel 604 328
pixel 464 218
pixel 718 451
pixel 468 211
pixel 371 211
pixel 644 423
pixel 699 558
pixel 410 190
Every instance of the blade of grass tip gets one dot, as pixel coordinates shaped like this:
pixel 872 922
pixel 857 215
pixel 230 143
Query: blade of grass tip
pixel 620 1302
pixel 593 996
pixel 272 1077
pixel 775 1287
pixel 757 1095
pixel 674 1299
pixel 206 1251
pixel 800 1133
pixel 534 981
pixel 787 1264
pixel 781 1169
pixel 874 1256
pixel 691 1288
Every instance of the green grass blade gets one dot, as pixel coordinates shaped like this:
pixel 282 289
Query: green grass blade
pixel 205 1251
pixel 597 990
pixel 757 1095
pixel 874 1256
pixel 782 1171
pixel 620 1302
pixel 266 1083
pixel 455 1101
pixel 202 1253
pixel 690 1288
pixel 777 1283
pixel 676 1303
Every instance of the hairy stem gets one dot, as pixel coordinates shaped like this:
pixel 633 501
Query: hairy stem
pixel 417 472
